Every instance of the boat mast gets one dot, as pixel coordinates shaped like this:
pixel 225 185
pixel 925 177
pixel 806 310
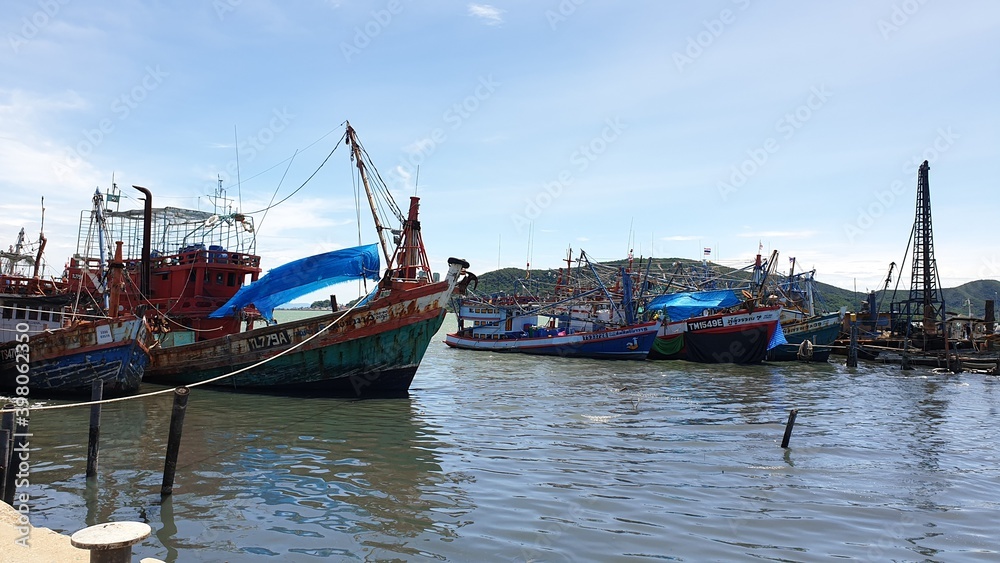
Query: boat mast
pixel 360 163
pixel 41 243
pixel 99 219
pixel 16 254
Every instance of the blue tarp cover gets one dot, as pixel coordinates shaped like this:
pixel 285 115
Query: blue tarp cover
pixel 778 339
pixel 681 306
pixel 301 277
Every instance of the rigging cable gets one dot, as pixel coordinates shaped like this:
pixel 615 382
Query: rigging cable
pixel 286 198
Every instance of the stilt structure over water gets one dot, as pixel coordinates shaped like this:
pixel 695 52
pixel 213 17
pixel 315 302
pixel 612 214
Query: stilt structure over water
pixel 925 303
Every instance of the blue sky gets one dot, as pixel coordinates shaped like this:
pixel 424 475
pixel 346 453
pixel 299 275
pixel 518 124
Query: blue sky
pixel 662 126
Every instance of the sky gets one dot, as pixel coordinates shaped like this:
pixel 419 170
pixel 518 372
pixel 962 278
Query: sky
pixel 526 128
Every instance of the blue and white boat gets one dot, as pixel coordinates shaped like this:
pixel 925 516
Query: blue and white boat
pixel 587 325
pixel 548 336
pixel 68 360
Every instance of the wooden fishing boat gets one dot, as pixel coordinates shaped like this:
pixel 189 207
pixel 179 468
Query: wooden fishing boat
pixel 202 281
pixel 544 335
pixel 67 360
pixel 49 350
pixel 581 322
pixel 713 327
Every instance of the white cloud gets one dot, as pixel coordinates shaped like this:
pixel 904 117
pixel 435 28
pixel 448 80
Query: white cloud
pixel 489 14
pixel 778 234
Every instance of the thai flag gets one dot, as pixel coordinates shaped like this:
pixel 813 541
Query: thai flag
pixel 708 251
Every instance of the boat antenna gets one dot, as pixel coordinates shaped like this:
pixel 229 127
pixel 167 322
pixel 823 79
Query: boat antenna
pixel 239 187
pixel 527 265
pixel 631 234
pixel 416 181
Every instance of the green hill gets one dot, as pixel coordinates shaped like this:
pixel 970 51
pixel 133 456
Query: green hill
pixel 829 297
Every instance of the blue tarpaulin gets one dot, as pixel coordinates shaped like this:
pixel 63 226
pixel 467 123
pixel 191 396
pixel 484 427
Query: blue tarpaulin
pixel 778 339
pixel 301 277
pixel 681 306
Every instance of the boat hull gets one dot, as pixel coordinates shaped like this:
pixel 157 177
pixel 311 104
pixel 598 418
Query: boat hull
pixel 630 343
pixel 728 338
pixel 373 351
pixel 67 361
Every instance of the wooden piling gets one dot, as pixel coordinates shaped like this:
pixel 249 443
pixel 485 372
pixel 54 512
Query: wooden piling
pixel 174 441
pixel 788 427
pixel 6 448
pixel 4 460
pixel 20 436
pixel 93 443
pixel 7 420
pixel 852 351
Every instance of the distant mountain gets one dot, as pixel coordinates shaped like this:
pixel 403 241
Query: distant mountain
pixel 829 297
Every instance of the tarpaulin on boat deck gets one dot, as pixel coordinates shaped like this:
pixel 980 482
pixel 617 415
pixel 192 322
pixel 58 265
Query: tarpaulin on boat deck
pixel 681 306
pixel 301 277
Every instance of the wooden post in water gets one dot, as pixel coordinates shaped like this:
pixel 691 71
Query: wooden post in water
pixel 21 436
pixel 788 427
pixel 6 448
pixel 852 351
pixel 4 459
pixel 174 441
pixel 93 443
pixel 7 420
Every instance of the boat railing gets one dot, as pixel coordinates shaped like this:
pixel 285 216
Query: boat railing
pixel 209 256
pixel 29 286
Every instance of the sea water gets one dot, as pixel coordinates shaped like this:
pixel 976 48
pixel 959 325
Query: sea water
pixel 498 457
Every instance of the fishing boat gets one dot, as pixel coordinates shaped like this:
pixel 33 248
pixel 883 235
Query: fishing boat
pixel 50 349
pixel 577 323
pixel 713 327
pixel 68 360
pixel 200 274
pixel 548 336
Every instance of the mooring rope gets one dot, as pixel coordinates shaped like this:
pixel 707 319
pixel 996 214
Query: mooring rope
pixel 199 383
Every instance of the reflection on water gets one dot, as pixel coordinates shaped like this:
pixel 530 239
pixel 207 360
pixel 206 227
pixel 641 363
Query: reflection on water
pixel 506 457
pixel 258 475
